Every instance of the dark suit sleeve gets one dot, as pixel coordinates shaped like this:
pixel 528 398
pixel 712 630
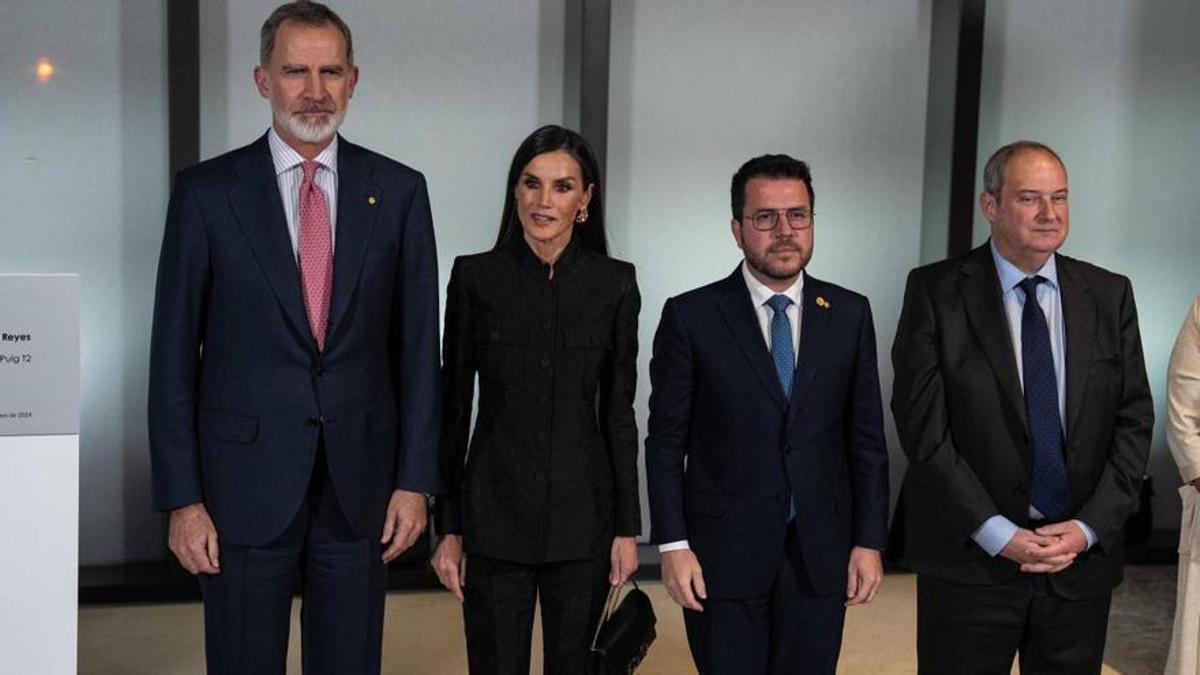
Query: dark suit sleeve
pixel 1117 490
pixel 617 389
pixel 180 305
pixel 458 382
pixel 671 386
pixel 415 372
pixel 868 449
pixel 923 420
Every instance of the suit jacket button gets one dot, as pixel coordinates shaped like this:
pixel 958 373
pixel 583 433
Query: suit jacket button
pixel 539 475
pixel 545 361
pixel 787 449
pixel 495 335
pixel 314 421
pixel 318 371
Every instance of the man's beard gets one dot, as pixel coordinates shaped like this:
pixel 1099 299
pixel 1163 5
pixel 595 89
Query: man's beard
pixel 311 130
pixel 774 269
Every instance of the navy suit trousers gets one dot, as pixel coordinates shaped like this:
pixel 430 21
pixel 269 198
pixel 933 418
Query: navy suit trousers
pixel 790 630
pixel 341 579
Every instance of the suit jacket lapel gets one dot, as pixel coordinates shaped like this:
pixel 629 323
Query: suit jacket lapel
pixel 1079 319
pixel 980 288
pixel 358 203
pixel 258 210
pixel 738 312
pixel 814 329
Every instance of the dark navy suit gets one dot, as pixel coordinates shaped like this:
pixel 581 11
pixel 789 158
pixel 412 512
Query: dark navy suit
pixel 725 450
pixel 248 417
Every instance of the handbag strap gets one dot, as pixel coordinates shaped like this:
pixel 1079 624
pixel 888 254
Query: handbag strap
pixel 610 606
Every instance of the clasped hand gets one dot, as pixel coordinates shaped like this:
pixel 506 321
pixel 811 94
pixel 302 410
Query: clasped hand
pixel 1046 550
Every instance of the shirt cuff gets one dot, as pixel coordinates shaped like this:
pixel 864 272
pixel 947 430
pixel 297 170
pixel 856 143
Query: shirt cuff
pixel 994 534
pixel 1087 532
pixel 681 545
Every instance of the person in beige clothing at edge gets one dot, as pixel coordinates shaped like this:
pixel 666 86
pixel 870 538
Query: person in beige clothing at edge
pixel 1183 435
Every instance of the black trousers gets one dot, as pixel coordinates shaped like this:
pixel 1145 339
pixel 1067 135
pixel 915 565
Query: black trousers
pixel 247 607
pixel 791 629
pixel 979 629
pixel 498 604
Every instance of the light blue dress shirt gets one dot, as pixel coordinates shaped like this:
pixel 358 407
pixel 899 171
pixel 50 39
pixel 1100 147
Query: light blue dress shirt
pixel 997 531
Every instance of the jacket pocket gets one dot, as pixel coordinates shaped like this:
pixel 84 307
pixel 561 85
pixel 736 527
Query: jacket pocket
pixel 227 427
pixel 587 338
pixel 496 333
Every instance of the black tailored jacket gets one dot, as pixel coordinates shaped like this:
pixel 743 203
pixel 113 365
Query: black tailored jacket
pixel 550 473
pixel 960 413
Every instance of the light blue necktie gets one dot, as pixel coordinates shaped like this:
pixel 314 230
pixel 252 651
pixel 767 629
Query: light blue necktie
pixel 784 356
pixel 781 343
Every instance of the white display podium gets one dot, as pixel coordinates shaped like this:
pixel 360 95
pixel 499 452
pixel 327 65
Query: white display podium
pixel 39 472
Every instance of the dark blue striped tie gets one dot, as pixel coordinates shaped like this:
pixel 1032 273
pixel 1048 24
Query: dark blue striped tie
pixel 1050 493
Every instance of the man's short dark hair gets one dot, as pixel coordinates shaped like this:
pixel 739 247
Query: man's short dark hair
pixel 993 171
pixel 305 13
pixel 768 166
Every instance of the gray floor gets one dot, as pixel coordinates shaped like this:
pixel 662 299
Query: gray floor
pixel 423 633
pixel 1139 626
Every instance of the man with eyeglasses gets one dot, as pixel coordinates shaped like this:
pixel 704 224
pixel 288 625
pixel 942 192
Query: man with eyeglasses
pixel 1022 404
pixel 766 463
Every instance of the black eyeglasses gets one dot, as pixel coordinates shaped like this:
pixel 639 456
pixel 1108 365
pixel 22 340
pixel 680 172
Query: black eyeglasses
pixel 766 220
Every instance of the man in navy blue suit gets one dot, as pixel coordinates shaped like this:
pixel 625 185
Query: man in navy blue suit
pixel 766 462
pixel 294 395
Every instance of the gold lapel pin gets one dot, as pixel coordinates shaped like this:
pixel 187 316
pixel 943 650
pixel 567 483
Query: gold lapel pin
pixel 822 302
pixel 371 200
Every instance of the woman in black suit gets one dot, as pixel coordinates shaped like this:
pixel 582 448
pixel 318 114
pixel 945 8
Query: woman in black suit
pixel 543 499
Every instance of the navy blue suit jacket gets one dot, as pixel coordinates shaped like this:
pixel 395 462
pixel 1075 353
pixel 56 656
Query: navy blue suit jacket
pixel 240 394
pixel 717 403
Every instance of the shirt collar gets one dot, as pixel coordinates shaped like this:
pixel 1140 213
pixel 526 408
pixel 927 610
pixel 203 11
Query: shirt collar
pixel 286 158
pixel 760 294
pixel 1010 275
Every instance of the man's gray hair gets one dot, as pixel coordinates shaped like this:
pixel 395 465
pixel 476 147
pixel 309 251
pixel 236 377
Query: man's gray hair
pixel 304 13
pixel 993 171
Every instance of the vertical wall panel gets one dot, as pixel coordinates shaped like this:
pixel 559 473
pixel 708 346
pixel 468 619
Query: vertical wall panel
pixel 1114 87
pixel 700 87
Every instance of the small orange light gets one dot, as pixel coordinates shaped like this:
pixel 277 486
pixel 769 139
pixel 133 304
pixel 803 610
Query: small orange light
pixel 44 70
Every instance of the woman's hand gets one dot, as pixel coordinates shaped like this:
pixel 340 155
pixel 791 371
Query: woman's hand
pixel 450 563
pixel 623 560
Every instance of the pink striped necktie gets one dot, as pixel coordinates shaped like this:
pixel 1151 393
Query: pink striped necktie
pixel 316 253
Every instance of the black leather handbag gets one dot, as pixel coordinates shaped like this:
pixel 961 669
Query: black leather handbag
pixel 624 633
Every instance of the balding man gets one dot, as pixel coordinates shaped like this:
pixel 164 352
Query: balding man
pixel 1022 404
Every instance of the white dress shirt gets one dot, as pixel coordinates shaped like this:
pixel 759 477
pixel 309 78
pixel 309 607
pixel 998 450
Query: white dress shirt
pixel 289 174
pixel 759 295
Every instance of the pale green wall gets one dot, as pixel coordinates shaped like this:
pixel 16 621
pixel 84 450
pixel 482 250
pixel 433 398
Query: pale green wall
pixel 697 88
pixel 1114 87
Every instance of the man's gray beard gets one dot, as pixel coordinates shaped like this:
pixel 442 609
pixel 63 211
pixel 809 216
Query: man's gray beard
pixel 308 132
